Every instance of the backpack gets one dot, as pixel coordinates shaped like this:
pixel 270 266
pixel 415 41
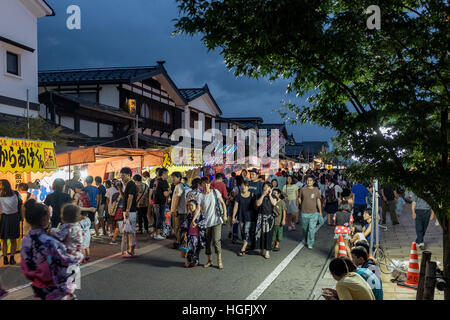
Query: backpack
pixel 84 198
pixel 330 195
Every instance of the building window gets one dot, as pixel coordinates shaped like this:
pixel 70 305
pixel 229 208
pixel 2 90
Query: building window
pixel 208 123
pixel 166 117
pixel 88 96
pixel 194 117
pixel 145 111
pixel 12 63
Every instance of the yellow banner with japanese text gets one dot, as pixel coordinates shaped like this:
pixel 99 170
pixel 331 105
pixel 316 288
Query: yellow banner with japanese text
pixel 188 157
pixel 21 155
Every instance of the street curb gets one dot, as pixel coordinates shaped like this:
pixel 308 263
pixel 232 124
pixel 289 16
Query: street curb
pixel 322 273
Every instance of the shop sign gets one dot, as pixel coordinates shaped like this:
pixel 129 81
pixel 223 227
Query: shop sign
pixel 194 154
pixel 20 155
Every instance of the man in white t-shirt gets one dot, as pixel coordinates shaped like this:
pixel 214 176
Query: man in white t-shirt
pixel 213 220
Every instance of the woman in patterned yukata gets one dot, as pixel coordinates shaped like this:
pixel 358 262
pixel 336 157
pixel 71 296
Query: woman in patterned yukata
pixel 45 260
pixel 193 230
pixel 265 222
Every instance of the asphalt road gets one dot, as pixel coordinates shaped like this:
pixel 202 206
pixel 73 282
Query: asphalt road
pixel 158 273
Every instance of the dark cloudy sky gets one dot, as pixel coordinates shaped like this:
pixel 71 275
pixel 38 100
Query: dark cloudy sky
pixel 138 33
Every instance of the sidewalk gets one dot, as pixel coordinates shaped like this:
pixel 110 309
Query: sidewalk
pixel 396 244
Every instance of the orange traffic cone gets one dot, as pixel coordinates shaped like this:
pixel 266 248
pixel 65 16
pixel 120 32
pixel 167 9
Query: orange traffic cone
pixel 342 249
pixel 412 278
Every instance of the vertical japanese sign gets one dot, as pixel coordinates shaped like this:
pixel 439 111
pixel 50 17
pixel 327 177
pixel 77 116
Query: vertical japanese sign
pixel 20 155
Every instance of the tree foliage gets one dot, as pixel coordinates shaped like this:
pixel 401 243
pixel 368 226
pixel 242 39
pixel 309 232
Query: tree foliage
pixel 384 91
pixel 39 130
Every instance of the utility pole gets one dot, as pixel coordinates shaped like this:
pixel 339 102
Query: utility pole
pixel 28 113
pixel 137 132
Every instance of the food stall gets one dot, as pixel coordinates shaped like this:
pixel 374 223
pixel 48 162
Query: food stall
pixel 23 160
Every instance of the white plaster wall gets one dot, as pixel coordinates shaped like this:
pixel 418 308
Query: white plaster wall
pixel 17 23
pixel 14 111
pixel 109 95
pixel 106 130
pixel 88 127
pixel 68 122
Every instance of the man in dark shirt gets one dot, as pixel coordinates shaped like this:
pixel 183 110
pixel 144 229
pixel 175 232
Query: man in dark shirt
pixel 256 186
pixel 161 195
pixel 57 200
pixel 129 202
pixel 388 195
pixel 101 204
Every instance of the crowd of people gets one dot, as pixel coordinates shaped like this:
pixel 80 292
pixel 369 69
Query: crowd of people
pixel 257 210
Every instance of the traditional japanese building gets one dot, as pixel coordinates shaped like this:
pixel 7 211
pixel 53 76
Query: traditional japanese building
pixel 105 105
pixel 19 57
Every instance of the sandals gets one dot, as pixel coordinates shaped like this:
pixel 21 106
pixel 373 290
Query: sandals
pixel 209 264
pixel 219 263
pixel 267 256
pixel 242 253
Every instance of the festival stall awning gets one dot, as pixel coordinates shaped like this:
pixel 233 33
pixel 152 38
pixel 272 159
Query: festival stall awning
pixel 23 155
pixel 97 154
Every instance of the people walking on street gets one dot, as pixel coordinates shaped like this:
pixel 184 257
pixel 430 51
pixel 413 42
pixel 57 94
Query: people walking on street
pixel 101 206
pixel 280 219
pixel 10 216
pixel 193 230
pixel 129 213
pixel 265 221
pixel 233 225
pixel 214 209
pixel 342 219
pixel 161 199
pixel 311 207
pixel 57 199
pixel 110 191
pixel 142 203
pixel 244 210
pixel 290 193
pixel 331 195
pixel 116 211
pixel 92 193
pixel 256 186
pixel 178 206
pixel 244 174
pixel 350 285
pixel 400 194
pixel 422 215
pixel 360 201
pixel 153 208
pixel 85 225
pixel 388 194
pixel 44 260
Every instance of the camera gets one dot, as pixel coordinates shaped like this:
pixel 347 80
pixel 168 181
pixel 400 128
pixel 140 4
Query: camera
pixel 441 283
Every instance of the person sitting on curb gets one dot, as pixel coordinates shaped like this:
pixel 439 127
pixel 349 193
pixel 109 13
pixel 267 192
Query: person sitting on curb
pixel 370 277
pixel 350 285
pixel 360 258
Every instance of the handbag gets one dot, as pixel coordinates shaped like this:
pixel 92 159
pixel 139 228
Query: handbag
pixel 276 211
pixel 219 209
pixel 113 208
pixel 127 227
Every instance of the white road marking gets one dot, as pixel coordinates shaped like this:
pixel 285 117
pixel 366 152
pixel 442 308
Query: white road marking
pixel 275 273
pixel 143 250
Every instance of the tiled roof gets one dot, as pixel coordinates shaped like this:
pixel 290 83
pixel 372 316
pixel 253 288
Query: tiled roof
pixel 269 126
pixel 191 94
pixel 97 75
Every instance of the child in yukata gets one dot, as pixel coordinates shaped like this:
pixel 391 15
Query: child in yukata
pixel 193 231
pixel 45 260
pixel 71 234
pixel 85 224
